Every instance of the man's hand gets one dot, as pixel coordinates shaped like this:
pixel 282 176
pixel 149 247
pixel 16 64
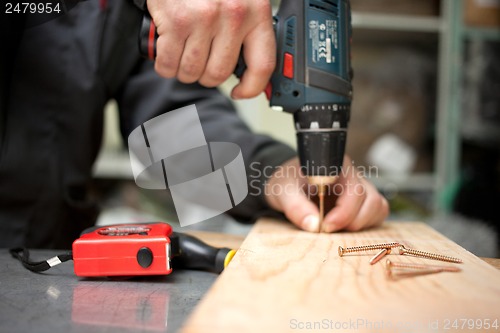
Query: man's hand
pixel 200 40
pixel 356 202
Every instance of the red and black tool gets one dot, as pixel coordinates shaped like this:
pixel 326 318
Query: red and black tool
pixel 133 250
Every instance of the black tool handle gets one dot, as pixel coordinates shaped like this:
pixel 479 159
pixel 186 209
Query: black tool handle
pixel 189 252
pixel 148 37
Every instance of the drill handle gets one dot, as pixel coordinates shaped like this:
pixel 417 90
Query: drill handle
pixel 147 37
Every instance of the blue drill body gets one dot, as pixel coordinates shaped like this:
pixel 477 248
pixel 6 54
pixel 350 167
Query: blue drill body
pixel 312 79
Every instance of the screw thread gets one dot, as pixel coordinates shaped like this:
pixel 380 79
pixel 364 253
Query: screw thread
pixel 398 274
pixel 343 251
pixel 420 266
pixel 395 269
pixel 428 255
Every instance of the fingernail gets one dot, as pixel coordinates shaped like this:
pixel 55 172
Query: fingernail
pixel 311 223
pixel 235 95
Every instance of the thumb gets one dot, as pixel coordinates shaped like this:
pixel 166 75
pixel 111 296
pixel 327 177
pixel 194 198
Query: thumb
pixel 260 57
pixel 290 197
pixel 301 211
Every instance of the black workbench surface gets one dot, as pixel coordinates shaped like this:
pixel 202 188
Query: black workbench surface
pixel 58 301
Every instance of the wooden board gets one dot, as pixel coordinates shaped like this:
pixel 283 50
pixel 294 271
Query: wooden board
pixel 286 280
pixel 495 262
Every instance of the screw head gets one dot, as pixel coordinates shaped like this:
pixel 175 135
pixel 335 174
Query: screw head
pixel 402 249
pixel 341 251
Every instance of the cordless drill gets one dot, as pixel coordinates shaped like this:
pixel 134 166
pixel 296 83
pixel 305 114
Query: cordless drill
pixel 312 80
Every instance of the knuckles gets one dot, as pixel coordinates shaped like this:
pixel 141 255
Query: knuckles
pixel 214 76
pixel 262 7
pixel 207 14
pixel 239 16
pixel 238 11
pixel 165 64
pixel 184 17
pixel 181 21
pixel 190 72
pixel 266 67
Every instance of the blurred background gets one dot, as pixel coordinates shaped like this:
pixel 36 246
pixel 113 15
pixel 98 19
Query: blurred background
pixel 425 121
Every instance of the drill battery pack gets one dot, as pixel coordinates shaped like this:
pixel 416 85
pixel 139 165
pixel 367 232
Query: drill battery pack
pixel 124 250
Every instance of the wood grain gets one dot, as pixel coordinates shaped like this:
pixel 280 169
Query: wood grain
pixel 283 279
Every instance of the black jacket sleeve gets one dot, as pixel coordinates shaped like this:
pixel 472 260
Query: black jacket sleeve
pixel 141 4
pixel 146 95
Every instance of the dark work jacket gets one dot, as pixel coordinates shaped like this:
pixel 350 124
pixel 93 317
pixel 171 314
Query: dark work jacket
pixel 63 74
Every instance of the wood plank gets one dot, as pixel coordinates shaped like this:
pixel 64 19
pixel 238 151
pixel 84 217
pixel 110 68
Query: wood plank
pixel 283 279
pixel 495 262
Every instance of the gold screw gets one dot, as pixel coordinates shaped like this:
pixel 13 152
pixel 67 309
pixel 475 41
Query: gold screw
pixel 392 274
pixel 343 251
pixel 422 254
pixel 415 269
pixel 421 266
pixel 379 256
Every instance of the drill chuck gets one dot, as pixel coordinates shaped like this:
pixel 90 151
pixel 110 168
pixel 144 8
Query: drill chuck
pixel 321 138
